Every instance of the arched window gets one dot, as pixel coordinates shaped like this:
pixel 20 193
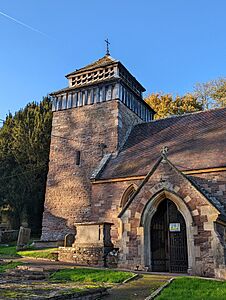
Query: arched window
pixel 128 194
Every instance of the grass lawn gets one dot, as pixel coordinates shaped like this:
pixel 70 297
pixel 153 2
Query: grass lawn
pixel 49 253
pixel 10 252
pixel 11 265
pixel 194 289
pixel 90 275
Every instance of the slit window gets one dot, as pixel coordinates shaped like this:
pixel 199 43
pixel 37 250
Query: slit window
pixel 78 158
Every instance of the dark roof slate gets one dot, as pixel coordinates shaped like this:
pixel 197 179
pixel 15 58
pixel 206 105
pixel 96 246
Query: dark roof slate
pixel 195 141
pixel 104 61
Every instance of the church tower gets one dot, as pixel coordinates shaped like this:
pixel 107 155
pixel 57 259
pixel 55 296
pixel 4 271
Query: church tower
pixel 92 118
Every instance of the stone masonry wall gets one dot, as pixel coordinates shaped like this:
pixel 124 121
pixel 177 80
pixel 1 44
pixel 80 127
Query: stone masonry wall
pixel 128 234
pixel 107 205
pixel 202 227
pixel 68 192
pixel 126 121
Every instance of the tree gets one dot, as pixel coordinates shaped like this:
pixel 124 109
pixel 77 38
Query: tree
pixel 161 103
pixel 211 93
pixel 185 104
pixel 219 95
pixel 165 105
pixel 24 153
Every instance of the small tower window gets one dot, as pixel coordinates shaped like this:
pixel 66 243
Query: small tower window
pixel 77 157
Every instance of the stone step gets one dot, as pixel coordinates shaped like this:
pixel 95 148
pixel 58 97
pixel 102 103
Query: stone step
pixel 25 274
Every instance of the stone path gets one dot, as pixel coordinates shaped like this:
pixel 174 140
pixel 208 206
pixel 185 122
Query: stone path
pixel 138 289
pixel 46 264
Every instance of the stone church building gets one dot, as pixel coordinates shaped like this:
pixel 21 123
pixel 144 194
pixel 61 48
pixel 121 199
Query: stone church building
pixel 130 191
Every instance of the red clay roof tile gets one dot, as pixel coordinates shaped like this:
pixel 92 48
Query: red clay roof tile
pixel 195 141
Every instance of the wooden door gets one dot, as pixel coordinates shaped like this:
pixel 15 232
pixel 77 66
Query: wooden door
pixel 168 239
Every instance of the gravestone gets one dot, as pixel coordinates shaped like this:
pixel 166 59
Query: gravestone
pixel 69 240
pixel 23 237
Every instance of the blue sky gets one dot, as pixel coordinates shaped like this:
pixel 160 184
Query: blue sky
pixel 167 45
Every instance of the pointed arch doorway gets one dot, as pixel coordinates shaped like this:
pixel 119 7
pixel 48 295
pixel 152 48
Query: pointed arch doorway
pixel 168 239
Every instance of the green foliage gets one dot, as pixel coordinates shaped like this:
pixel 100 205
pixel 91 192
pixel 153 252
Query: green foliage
pixel 194 289
pixel 90 275
pixel 165 105
pixel 8 266
pixel 24 152
pixel 48 253
pixel 8 252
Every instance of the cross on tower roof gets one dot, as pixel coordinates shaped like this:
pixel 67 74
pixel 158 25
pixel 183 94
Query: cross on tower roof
pixel 107 44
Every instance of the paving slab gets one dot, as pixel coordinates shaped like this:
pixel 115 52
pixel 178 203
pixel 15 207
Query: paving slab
pixel 138 289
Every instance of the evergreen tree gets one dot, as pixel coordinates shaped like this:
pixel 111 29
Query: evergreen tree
pixel 24 154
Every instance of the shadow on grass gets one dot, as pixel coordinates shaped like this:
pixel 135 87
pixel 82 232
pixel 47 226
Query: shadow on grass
pixel 10 265
pixel 8 251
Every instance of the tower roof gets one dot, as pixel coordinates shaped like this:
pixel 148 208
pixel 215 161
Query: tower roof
pixel 102 62
pixel 103 80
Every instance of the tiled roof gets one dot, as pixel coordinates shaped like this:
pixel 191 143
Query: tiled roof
pixel 212 199
pixel 195 141
pixel 104 61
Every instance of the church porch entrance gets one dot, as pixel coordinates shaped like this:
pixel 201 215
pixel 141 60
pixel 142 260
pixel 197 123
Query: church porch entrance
pixel 168 239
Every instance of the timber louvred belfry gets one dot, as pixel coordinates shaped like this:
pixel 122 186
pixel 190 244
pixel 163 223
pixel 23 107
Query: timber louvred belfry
pixel 136 193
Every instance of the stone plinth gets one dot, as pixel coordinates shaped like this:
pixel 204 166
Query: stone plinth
pixel 47 244
pixel 93 233
pixel 91 247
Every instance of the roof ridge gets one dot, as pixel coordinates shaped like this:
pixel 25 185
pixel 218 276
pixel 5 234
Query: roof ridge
pixel 103 60
pixel 98 60
pixel 179 116
pixel 187 114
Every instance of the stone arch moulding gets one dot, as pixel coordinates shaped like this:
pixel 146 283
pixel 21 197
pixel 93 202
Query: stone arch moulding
pixel 146 217
pixel 127 194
